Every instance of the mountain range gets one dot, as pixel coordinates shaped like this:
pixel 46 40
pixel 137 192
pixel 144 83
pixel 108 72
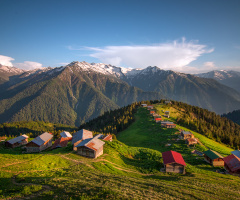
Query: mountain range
pixel 80 91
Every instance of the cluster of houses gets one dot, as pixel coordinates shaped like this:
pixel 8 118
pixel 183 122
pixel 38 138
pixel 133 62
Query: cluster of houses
pixel 158 119
pixel 83 142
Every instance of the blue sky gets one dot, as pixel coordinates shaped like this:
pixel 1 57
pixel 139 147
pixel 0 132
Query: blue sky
pixel 183 35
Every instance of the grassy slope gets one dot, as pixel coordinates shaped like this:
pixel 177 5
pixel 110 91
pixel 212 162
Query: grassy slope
pixel 123 172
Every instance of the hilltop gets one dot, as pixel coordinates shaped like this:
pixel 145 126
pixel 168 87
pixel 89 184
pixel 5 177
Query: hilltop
pixel 130 167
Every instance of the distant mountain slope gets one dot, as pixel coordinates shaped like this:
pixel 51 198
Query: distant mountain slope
pixel 234 116
pixel 68 95
pixel 227 77
pixel 202 92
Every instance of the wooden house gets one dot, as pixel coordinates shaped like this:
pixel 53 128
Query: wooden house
pixel 150 107
pixel 191 141
pixel 167 112
pixel 156 115
pixel 168 125
pixel 18 141
pixel 158 119
pixel 79 136
pixel 236 153
pixel 40 143
pixel 152 112
pixel 3 138
pixel 144 105
pixel 232 164
pixel 173 162
pixel 65 134
pixel 61 142
pixel 167 116
pixel 91 147
pixel 186 134
pixel 213 158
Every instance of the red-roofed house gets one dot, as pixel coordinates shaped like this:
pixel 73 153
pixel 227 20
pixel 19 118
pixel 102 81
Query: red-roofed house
pixel 108 138
pixel 158 119
pixel 232 164
pixel 173 162
pixel 61 142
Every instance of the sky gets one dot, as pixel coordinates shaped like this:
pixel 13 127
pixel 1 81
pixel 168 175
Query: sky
pixel 190 36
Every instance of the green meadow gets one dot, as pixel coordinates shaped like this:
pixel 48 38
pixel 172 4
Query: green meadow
pixel 130 168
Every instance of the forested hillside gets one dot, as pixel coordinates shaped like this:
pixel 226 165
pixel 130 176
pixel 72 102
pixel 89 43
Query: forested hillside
pixel 234 116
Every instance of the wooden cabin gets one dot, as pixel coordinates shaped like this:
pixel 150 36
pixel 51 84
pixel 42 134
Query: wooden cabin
pixel 61 142
pixel 79 136
pixel 156 115
pixel 16 142
pixel 152 112
pixel 3 138
pixel 213 158
pixel 144 105
pixel 150 107
pixel 232 164
pixel 65 134
pixel 91 147
pixel 191 141
pixel 167 112
pixel 186 134
pixel 168 125
pixel 167 116
pixel 173 162
pixel 40 143
pixel 158 119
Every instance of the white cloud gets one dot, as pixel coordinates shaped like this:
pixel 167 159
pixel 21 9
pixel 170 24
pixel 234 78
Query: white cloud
pixel 174 55
pixel 209 65
pixel 5 60
pixel 28 65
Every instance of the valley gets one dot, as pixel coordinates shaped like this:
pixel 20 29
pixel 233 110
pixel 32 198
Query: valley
pixel 130 168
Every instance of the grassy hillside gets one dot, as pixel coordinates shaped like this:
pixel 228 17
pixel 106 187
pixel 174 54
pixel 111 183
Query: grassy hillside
pixel 129 169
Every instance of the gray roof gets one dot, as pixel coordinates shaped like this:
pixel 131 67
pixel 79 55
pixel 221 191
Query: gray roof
pixel 186 132
pixel 65 134
pixel 17 139
pixel 41 139
pixel 166 122
pixel 99 136
pixel 92 143
pixel 236 153
pixel 81 135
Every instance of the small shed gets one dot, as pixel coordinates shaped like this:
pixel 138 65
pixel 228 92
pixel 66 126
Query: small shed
pixel 80 136
pixel 144 105
pixel 156 115
pixel 91 147
pixel 191 141
pixel 213 157
pixel 66 134
pixel 167 116
pixel 167 112
pixel 150 107
pixel 17 141
pixel 232 164
pixel 61 142
pixel 173 162
pixel 3 138
pixel 158 119
pixel 40 143
pixel 168 125
pixel 236 153
pixel 186 134
pixel 152 112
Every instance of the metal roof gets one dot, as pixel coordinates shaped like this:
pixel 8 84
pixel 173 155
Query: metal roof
pixel 233 162
pixel 92 143
pixel 172 157
pixel 65 134
pixel 212 154
pixel 81 135
pixel 186 133
pixel 236 153
pixel 107 137
pixel 99 136
pixel 166 122
pixel 17 139
pixel 41 139
pixel 61 142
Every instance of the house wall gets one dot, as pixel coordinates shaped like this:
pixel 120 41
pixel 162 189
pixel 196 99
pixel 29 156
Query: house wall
pixel 218 162
pixel 17 144
pixel 75 144
pixel 32 147
pixel 175 168
pixel 84 151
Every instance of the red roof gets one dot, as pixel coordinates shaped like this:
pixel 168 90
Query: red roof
pixel 108 138
pixel 61 142
pixel 158 119
pixel 172 157
pixel 233 162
